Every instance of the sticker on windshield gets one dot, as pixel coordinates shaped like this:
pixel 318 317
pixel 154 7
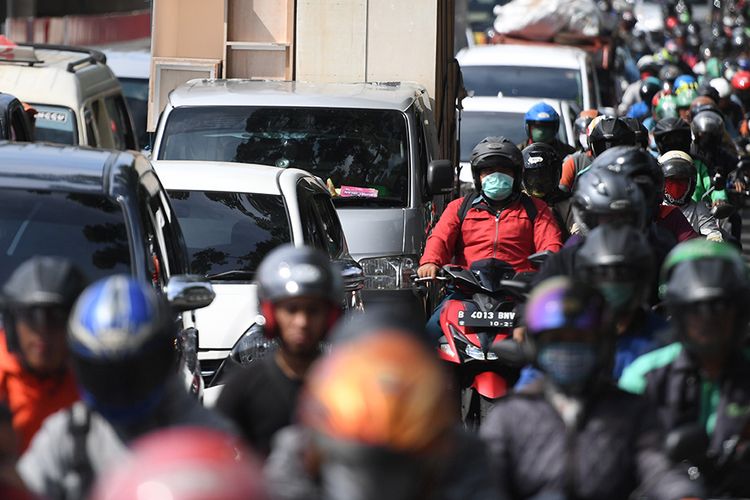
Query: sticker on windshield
pixel 357 192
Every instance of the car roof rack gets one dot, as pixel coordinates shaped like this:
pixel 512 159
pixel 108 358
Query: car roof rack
pixel 92 56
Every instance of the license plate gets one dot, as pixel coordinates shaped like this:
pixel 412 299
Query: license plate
pixel 479 319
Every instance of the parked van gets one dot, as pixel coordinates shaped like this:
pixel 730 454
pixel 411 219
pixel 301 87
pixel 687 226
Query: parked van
pixel 374 145
pixel 78 99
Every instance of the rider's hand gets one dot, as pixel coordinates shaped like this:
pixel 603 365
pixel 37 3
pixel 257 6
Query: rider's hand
pixel 428 270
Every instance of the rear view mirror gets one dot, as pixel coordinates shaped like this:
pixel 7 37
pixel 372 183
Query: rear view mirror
pixel 440 177
pixel 352 274
pixel 189 291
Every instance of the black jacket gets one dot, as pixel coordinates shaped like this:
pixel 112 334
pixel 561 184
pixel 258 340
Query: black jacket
pixel 614 448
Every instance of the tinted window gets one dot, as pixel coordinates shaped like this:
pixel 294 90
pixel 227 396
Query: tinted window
pixel 333 235
pixel 135 91
pixel 119 122
pixel 524 81
pixel 354 148
pixel 55 124
pixel 229 231
pixel 88 229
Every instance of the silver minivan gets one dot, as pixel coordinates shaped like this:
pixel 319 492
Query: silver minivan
pixel 373 145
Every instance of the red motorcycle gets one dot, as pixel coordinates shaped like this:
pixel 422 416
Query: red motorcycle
pixel 477 323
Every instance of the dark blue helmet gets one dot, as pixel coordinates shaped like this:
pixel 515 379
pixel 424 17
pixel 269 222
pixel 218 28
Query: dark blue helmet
pixel 121 336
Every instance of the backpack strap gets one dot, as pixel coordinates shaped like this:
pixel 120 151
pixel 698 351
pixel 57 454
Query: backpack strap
pixel 466 206
pixel 79 424
pixel 530 207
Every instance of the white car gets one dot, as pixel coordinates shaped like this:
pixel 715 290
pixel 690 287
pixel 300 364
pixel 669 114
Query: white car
pixel 492 116
pixel 232 215
pixel 540 71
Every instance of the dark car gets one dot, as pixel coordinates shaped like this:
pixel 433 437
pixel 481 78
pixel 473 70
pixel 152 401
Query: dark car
pixel 104 210
pixel 15 124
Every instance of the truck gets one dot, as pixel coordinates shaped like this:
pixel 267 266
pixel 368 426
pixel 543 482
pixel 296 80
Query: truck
pixel 332 63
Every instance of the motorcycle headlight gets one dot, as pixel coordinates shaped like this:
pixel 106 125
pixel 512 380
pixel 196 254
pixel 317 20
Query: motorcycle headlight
pixel 252 346
pixel 385 273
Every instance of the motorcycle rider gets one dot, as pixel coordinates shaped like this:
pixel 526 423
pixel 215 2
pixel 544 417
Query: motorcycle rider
pixel 497 221
pixel 376 420
pixel 574 434
pixel 185 464
pixel 541 175
pixel 704 378
pixel 542 124
pixel 680 179
pixel 36 379
pixel 121 336
pixel 300 295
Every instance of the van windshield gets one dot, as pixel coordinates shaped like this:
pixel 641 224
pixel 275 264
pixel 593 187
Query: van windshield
pixel 361 153
pixel 524 81
pixel 55 124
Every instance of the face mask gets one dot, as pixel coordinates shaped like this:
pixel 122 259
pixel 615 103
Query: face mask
pixel 497 186
pixel 617 295
pixel 542 134
pixel 568 364
pixel 675 189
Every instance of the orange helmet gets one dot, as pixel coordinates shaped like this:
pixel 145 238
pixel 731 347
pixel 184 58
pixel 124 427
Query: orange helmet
pixel 384 390
pixel 186 463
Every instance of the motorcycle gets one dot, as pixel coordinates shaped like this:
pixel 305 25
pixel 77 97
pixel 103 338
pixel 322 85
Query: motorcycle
pixel 477 322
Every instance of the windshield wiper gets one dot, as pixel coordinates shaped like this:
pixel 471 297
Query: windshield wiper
pixel 234 274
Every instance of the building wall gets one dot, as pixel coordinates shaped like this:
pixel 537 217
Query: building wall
pixel 82 7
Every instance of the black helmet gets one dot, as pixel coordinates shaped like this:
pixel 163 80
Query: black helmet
pixel 640 131
pixel 649 87
pixel 121 335
pixel 542 169
pixel 678 165
pixel 602 195
pixel 702 276
pixel 619 262
pixel 496 152
pixel 668 74
pixel 610 132
pixel 40 282
pixel 639 167
pixel 708 129
pixel 672 134
pixel 288 272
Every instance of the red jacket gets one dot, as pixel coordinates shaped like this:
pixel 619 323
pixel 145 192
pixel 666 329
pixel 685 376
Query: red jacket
pixel 672 219
pixel 31 399
pixel 507 235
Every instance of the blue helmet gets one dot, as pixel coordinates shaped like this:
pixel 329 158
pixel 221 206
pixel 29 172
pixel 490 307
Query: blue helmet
pixel 542 113
pixel 121 336
pixel 687 80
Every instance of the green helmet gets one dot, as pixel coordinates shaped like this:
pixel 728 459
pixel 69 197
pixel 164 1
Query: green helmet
pixel 666 107
pixel 700 270
pixel 685 97
pixel 714 68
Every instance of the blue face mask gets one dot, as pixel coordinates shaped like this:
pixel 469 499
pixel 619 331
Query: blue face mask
pixel 497 186
pixel 568 364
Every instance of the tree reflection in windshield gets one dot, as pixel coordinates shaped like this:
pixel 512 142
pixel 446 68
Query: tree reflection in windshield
pixel 230 231
pixel 365 148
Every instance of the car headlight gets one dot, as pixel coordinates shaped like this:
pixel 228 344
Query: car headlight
pixel 385 273
pixel 252 346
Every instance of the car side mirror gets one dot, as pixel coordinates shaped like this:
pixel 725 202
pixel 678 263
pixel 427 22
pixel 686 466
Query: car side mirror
pixel 189 291
pixel 351 273
pixel 440 177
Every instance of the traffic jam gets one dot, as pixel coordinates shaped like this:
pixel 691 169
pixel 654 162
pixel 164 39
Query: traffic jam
pixel 292 250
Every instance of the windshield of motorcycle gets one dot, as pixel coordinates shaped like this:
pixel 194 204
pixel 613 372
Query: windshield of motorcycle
pixel 362 154
pixel 490 272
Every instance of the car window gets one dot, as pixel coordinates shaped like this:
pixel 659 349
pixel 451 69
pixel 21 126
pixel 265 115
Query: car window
pixel 331 232
pixel 363 152
pixel 157 262
pixel 229 231
pixel 91 133
pixel 102 124
pixel 56 124
pixel 88 229
pixel 311 227
pixel 524 81
pixel 135 91
pixel 168 235
pixel 119 121
pixel 18 127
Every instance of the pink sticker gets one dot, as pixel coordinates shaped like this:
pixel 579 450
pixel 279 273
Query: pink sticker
pixel 357 192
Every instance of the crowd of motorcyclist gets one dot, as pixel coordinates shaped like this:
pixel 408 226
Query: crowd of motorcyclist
pixel 634 333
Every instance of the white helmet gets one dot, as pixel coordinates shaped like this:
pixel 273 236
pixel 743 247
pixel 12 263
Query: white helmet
pixel 722 87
